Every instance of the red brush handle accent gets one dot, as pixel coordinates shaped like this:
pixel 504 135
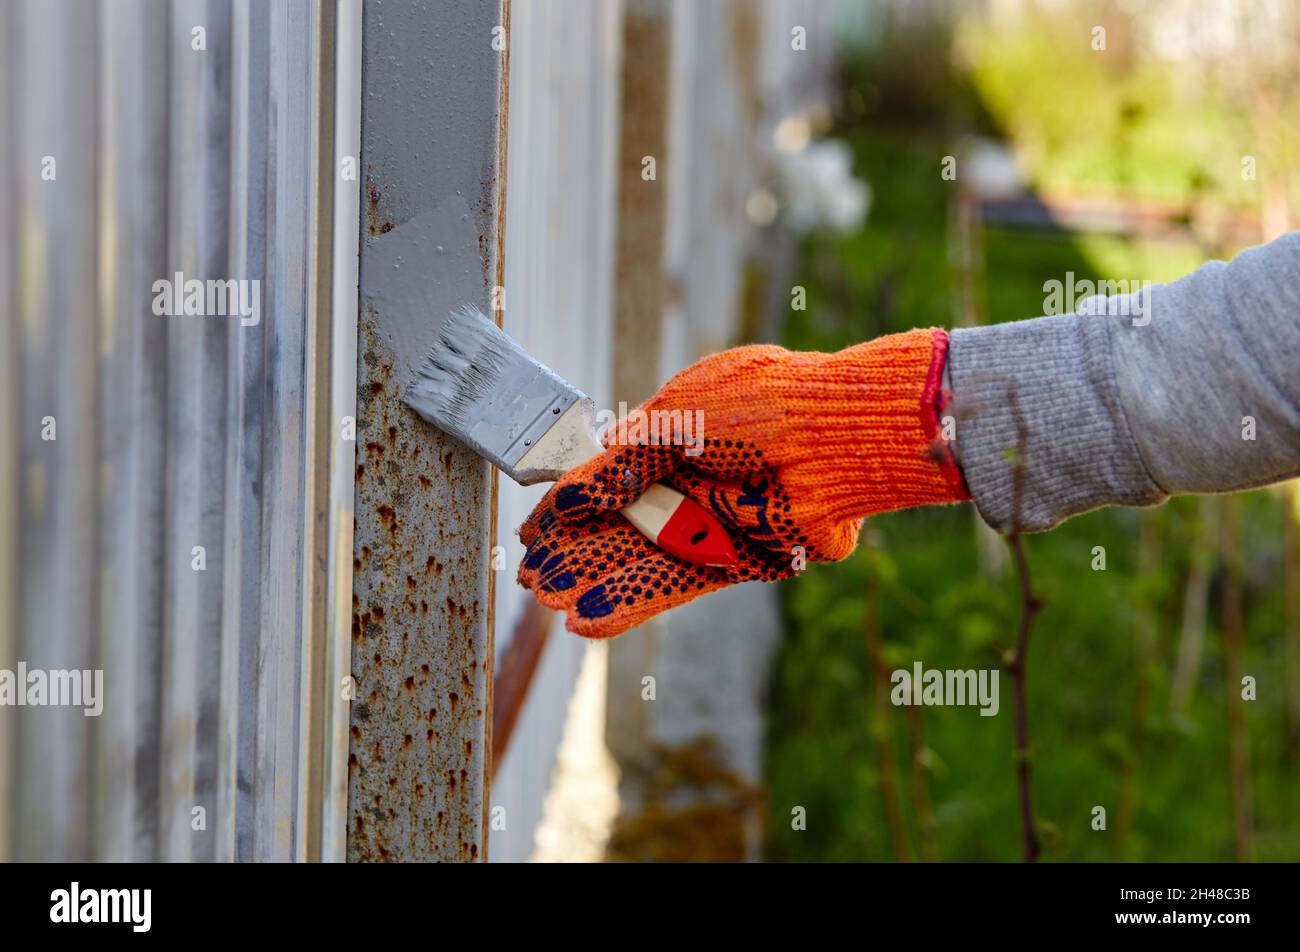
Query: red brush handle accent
pixel 693 534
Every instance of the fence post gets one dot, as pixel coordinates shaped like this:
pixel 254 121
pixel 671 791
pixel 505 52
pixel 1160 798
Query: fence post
pixel 433 157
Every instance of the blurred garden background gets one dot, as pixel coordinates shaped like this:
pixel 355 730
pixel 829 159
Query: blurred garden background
pixel 1134 153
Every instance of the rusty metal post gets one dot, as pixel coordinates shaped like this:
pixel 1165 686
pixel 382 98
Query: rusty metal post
pixel 433 156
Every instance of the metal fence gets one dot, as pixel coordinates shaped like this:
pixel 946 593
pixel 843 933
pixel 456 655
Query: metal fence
pixel 176 497
pixel 211 493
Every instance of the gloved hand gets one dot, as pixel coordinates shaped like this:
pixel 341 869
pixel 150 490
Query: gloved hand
pixel 796 449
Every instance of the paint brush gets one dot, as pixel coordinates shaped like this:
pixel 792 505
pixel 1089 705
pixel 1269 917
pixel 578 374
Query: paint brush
pixel 481 387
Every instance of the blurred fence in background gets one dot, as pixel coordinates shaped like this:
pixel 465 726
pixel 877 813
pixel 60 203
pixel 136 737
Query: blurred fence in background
pixel 644 179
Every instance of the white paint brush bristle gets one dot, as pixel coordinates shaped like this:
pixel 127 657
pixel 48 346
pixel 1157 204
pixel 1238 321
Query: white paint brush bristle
pixel 480 386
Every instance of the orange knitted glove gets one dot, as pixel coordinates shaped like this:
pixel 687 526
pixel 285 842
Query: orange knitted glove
pixel 795 449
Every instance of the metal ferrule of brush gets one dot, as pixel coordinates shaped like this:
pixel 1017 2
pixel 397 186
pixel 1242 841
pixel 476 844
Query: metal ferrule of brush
pixel 508 423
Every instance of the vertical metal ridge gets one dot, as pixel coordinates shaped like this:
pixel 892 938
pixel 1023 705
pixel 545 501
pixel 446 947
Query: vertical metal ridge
pixel 10 449
pixel 132 120
pixel 343 403
pixel 56 304
pixel 197 356
pixel 241 597
pixel 316 691
pixel 284 466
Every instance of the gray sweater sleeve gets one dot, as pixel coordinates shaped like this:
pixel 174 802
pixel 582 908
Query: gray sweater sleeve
pixel 1186 387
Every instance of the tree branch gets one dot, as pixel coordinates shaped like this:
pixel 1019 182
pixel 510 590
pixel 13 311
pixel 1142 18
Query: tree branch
pixel 1015 663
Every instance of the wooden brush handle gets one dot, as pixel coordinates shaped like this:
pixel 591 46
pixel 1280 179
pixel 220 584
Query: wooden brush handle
pixel 676 524
pixel 681 527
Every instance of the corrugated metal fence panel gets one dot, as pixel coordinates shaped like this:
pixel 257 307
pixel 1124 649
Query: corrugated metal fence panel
pixel 564 86
pixel 176 533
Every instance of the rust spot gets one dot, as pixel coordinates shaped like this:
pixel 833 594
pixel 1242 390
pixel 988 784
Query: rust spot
pixel 410 582
pixel 375 449
pixel 428 735
pixel 406 741
pixel 378 658
pixel 446 462
pixel 375 224
pixel 392 435
pixel 425 481
pixel 379 612
pixel 424 668
pixel 361 471
pixel 365 552
pixel 356 732
pixel 352 761
pixel 377 387
pixel 424 608
pixel 409 683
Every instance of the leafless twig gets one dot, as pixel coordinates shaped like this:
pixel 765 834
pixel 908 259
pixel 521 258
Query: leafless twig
pixel 1015 663
pixel 882 727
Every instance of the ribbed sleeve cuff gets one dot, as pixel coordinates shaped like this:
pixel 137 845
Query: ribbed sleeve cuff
pixel 1044 392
